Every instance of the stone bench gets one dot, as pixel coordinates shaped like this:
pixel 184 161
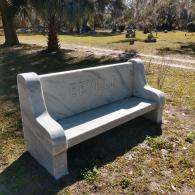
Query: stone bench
pixel 62 109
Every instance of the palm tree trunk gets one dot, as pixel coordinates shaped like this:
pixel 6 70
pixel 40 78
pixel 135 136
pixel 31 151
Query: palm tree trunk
pixel 8 25
pixel 53 41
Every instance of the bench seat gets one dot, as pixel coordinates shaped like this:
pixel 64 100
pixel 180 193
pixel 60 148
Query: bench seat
pixel 85 125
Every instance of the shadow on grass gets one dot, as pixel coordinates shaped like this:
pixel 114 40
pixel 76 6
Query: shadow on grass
pixel 26 176
pixel 98 34
pixel 29 58
pixel 89 34
pixel 126 40
pixel 185 49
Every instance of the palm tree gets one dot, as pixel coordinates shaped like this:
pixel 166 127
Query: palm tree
pixel 8 10
pixel 51 11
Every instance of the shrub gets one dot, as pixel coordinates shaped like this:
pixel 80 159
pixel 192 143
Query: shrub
pixel 184 162
pixel 148 67
pixel 162 73
pixel 158 143
pixel 90 175
pixel 191 27
pixel 190 137
pixel 125 182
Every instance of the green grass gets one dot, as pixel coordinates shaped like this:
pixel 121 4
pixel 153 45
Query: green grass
pixel 130 159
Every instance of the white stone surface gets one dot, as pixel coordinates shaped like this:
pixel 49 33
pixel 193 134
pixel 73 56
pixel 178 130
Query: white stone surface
pixel 60 110
pixel 87 124
pixel 143 90
pixel 72 92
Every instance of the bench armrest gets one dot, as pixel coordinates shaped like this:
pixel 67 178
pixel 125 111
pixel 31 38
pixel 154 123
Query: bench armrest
pixel 54 133
pixel 141 88
pixel 35 117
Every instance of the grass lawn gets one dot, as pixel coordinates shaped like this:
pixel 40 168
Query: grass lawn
pixel 138 157
pixel 172 43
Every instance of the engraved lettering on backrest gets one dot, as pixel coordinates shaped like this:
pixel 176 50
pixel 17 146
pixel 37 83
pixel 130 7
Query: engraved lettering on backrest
pixel 86 87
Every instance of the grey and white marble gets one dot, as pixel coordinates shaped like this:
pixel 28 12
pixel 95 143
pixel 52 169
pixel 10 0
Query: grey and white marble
pixel 72 92
pixel 60 110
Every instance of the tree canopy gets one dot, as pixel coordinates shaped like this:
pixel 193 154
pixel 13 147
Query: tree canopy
pixel 85 15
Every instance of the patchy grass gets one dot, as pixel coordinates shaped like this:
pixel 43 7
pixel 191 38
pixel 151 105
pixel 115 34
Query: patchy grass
pixel 130 159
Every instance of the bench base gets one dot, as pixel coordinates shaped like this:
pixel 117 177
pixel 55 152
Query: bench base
pixel 56 165
pixel 155 115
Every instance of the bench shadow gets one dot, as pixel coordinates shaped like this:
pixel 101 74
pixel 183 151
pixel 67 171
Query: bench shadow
pixel 26 176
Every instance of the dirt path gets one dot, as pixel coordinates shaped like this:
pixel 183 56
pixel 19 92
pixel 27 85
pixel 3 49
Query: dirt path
pixel 173 62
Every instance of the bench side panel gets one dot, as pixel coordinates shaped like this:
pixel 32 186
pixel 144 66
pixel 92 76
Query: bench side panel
pixel 143 90
pixel 73 92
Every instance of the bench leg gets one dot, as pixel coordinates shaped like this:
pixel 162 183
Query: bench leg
pixel 55 165
pixel 155 115
pixel 60 166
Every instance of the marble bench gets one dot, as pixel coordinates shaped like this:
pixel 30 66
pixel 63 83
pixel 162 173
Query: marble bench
pixel 60 110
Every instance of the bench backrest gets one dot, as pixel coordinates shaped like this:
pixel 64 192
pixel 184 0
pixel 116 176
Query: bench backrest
pixel 72 92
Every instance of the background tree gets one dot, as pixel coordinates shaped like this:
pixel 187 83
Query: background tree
pixel 51 11
pixel 161 14
pixel 9 9
pixel 99 11
pixel 79 13
pixel 167 14
pixel 116 8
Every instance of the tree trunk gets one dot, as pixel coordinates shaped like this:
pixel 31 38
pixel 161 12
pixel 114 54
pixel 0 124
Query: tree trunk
pixel 11 38
pixel 114 28
pixel 85 21
pixel 78 27
pixel 94 22
pixel 94 25
pixel 53 41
